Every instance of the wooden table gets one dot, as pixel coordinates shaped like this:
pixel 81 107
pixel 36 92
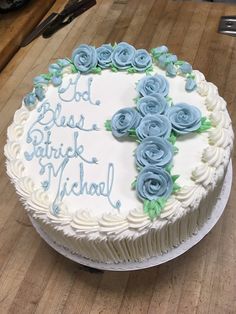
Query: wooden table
pixel 33 277
pixel 15 25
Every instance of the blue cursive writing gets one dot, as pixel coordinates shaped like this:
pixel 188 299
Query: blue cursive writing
pixel 77 94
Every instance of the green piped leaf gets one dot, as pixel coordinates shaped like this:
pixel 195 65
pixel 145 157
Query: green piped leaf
pixel 152 51
pixel 74 69
pixel 172 138
pixel 175 177
pixel 68 59
pixel 132 133
pixel 190 75
pixel 136 99
pixel 138 168
pixel 168 168
pixel 155 55
pixel 169 100
pixel 205 125
pixel 47 76
pixel 149 70
pixel 96 70
pixel 179 62
pixel 154 208
pixel 176 188
pixel 114 69
pixel 107 125
pixel 131 70
pixel 133 184
pixel 58 73
pixel 162 202
pixel 175 149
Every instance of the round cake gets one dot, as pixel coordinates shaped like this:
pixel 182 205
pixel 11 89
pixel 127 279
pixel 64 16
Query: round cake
pixel 119 154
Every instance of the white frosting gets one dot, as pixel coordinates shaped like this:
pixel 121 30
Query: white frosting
pixel 15 169
pixel 200 162
pixel 213 156
pixel 21 116
pixel 219 118
pixel 172 208
pixel 120 92
pixel 12 150
pixel 190 196
pixel 219 137
pixel 15 132
pixel 203 174
pixel 25 187
pixel 138 219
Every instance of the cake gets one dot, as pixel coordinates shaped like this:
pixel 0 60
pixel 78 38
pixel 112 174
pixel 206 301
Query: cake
pixel 119 154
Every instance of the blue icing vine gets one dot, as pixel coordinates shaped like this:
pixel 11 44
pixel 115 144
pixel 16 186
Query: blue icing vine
pixel 155 126
pixel 173 66
pixel 119 57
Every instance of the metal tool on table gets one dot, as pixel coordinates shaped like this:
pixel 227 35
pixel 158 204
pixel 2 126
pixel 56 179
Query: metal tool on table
pixel 227 25
pixel 56 21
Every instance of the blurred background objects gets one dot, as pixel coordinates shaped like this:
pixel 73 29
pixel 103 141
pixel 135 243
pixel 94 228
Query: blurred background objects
pixel 10 5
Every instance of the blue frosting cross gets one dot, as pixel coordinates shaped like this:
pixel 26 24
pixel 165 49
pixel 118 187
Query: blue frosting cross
pixel 155 123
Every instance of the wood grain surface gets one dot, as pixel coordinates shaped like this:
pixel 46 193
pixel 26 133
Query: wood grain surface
pixel 36 279
pixel 14 26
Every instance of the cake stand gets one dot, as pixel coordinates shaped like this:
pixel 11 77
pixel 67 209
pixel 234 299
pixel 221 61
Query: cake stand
pixel 157 260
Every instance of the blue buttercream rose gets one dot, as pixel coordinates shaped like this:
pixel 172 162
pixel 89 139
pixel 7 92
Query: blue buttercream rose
pixel 84 58
pixel 104 55
pixel 124 120
pixel 30 101
pixel 123 55
pixel 155 151
pixel 142 60
pixel 153 84
pixel 153 183
pixel 184 118
pixel 154 125
pixel 153 104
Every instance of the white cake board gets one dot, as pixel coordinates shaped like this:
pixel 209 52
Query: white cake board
pixel 157 260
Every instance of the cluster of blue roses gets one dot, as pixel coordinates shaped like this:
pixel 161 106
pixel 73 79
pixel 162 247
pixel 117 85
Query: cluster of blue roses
pixel 86 59
pixel 152 122
pixel 173 66
pixel 122 56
